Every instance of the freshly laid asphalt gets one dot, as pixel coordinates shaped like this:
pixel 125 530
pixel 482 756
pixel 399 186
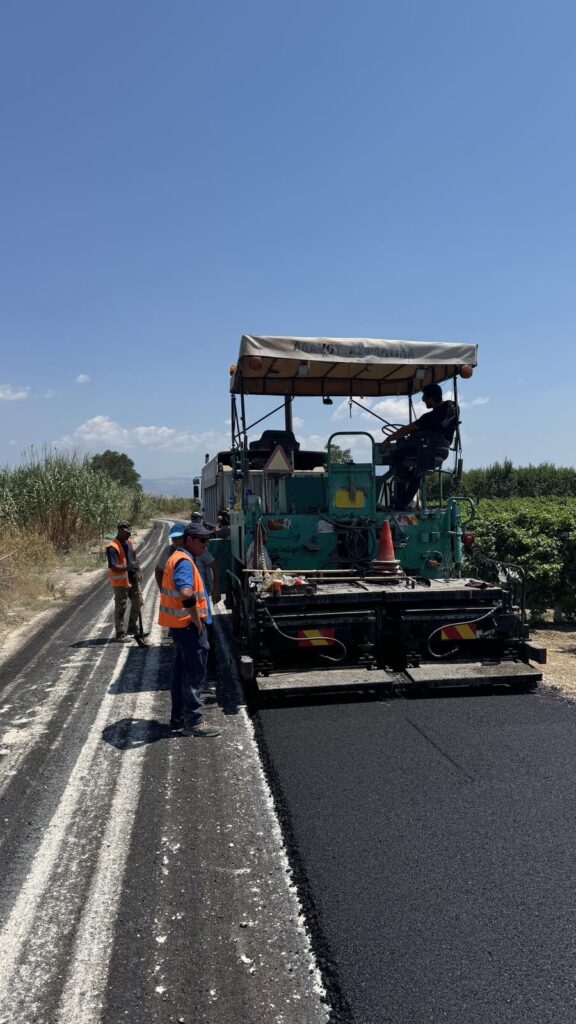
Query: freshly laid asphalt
pixel 435 845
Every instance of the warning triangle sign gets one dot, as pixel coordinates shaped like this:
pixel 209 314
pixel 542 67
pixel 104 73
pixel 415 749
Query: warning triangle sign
pixel 278 462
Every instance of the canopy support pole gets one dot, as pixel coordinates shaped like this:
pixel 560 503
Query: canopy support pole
pixel 288 413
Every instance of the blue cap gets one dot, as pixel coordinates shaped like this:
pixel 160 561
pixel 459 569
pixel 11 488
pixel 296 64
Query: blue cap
pixel 177 530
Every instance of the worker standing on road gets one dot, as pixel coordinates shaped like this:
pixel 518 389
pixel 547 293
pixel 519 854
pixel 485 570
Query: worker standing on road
pixel 210 573
pixel 183 609
pixel 176 537
pixel 125 577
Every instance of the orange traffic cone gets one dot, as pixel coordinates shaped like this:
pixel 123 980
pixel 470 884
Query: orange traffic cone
pixel 386 547
pixel 387 565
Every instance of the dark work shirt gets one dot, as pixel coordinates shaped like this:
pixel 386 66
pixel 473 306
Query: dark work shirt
pixel 441 420
pixel 113 559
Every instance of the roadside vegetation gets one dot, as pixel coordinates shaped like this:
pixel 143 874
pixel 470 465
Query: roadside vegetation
pixel 179 507
pixel 55 510
pixel 537 534
pixel 526 516
pixel 505 480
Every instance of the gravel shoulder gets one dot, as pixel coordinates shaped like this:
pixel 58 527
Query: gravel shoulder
pixel 560 643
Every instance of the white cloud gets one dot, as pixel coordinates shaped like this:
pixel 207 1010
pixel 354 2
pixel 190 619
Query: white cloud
pixel 103 431
pixel 358 445
pixel 10 394
pixel 394 410
pixel 50 393
pixel 297 422
pixel 82 378
pixel 11 441
pixel 312 443
pixel 473 403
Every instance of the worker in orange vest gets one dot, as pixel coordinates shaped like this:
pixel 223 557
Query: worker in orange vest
pixel 184 610
pixel 125 576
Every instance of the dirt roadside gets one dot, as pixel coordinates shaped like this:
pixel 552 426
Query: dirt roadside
pixel 560 643
pixel 66 583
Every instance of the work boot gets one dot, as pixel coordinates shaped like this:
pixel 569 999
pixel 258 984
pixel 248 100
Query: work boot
pixel 202 730
pixel 122 637
pixel 176 724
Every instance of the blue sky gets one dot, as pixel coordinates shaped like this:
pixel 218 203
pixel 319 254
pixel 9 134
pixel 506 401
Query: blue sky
pixel 176 174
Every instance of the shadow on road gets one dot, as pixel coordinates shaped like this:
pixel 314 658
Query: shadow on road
pixel 101 641
pixel 132 733
pixel 132 679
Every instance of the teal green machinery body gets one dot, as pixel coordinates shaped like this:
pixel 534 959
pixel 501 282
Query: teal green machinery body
pixel 305 527
pixel 310 579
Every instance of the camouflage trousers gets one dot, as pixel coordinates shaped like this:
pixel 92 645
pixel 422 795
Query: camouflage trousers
pixel 121 597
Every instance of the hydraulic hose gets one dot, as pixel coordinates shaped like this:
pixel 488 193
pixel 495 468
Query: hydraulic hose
pixel 447 625
pixel 298 639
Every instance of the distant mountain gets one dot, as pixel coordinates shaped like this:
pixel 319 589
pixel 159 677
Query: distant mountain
pixel 169 486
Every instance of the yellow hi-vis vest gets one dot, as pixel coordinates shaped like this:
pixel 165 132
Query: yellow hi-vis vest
pixel 172 612
pixel 119 579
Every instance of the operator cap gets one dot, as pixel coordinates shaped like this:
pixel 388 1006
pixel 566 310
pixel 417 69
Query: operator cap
pixel 197 531
pixel 177 530
pixel 124 526
pixel 196 517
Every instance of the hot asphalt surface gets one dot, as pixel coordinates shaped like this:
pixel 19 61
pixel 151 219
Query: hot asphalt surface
pixel 144 877
pixel 436 840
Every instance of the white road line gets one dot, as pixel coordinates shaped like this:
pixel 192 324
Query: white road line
pixel 16 743
pixel 27 917
pixel 84 991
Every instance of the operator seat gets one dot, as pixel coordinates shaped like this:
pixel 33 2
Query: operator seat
pixel 261 449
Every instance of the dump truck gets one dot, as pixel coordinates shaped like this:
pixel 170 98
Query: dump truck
pixel 345 568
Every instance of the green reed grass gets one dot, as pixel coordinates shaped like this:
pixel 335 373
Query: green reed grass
pixel 59 496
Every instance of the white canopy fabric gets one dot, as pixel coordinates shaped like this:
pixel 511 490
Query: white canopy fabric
pixel 344 366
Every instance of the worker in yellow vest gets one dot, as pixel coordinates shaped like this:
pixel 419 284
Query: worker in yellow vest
pixel 184 610
pixel 125 576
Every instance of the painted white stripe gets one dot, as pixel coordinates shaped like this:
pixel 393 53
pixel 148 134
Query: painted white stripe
pixel 84 991
pixel 15 743
pixel 26 918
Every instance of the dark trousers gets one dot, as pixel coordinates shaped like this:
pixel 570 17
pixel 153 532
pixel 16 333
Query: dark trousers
pixel 188 674
pixel 211 662
pixel 121 597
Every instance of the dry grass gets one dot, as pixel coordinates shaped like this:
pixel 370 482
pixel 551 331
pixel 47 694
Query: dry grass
pixel 26 560
pixel 180 507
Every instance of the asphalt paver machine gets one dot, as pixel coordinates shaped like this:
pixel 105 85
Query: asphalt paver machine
pixel 332 583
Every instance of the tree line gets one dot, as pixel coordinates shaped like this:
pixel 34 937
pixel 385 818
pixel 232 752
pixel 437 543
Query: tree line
pixel 505 480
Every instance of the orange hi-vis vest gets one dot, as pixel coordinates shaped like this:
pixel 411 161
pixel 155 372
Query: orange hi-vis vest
pixel 119 579
pixel 172 612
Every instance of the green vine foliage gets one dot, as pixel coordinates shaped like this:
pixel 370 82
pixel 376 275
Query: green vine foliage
pixel 538 534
